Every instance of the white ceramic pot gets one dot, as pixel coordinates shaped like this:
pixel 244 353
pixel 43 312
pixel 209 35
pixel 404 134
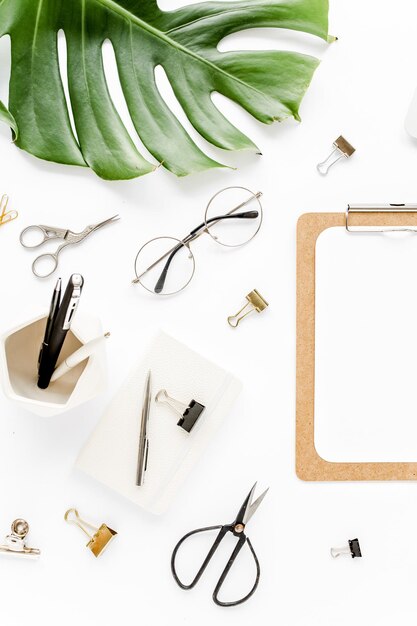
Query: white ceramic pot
pixel 19 349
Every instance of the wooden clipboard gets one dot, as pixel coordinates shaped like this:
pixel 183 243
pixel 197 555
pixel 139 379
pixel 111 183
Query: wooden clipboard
pixel 309 465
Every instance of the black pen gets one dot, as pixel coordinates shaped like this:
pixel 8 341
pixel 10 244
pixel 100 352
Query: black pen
pixel 53 312
pixel 62 324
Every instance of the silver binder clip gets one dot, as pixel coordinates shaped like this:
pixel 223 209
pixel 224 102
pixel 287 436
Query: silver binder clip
pixel 15 542
pixel 189 414
pixel 341 149
pixel 352 549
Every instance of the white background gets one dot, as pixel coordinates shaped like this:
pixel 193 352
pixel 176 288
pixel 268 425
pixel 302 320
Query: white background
pixel 362 89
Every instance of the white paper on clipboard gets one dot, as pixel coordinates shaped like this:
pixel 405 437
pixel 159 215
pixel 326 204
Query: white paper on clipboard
pixel 366 347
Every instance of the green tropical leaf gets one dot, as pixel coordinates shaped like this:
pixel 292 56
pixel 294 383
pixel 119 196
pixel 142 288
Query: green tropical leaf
pixel 268 84
pixel 7 118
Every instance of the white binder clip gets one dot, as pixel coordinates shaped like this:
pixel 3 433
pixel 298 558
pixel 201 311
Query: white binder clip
pixel 15 542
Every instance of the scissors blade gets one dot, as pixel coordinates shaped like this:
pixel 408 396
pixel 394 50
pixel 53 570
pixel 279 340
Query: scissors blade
pixel 109 220
pixel 249 507
pixel 91 228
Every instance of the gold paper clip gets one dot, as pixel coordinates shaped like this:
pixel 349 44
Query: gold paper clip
pixel 15 542
pixel 255 303
pixel 6 216
pixel 341 149
pixel 101 537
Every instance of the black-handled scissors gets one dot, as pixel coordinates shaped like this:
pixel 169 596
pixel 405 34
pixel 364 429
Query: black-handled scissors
pixel 246 511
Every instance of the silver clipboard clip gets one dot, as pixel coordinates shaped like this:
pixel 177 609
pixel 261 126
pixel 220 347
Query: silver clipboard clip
pixel 380 208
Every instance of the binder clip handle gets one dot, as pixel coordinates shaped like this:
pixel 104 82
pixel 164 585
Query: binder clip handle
pixel 255 302
pixel 332 159
pixel 177 406
pixel 341 149
pixel 73 517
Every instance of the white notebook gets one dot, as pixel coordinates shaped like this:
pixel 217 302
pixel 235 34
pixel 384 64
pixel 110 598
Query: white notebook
pixel 110 455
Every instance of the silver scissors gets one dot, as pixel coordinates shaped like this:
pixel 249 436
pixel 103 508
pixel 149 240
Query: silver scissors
pixel 47 233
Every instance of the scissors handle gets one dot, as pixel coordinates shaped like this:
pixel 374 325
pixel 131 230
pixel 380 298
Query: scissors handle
pixel 45 233
pixel 50 259
pixel 223 530
pixel 242 541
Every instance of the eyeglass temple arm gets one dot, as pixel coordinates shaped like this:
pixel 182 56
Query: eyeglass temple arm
pixel 193 235
pixel 245 215
pixel 161 280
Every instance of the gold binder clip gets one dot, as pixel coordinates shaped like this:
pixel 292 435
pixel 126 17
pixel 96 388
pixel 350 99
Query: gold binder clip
pixel 255 303
pixel 15 542
pixel 341 149
pixel 101 537
pixel 6 216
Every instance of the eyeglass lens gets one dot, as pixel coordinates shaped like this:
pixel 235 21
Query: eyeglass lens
pixel 243 212
pixel 164 266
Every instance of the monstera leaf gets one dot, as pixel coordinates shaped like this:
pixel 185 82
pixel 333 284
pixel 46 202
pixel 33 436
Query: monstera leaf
pixel 7 117
pixel 268 84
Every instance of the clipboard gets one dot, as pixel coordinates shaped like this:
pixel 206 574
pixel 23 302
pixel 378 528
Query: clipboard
pixel 310 466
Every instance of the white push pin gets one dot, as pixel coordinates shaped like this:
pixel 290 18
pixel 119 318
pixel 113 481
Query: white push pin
pixel 352 549
pixel 341 149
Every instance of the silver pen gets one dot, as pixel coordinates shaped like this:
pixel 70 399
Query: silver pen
pixel 143 436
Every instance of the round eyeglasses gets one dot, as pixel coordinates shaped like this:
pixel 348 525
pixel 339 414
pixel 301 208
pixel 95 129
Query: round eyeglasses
pixel 165 265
